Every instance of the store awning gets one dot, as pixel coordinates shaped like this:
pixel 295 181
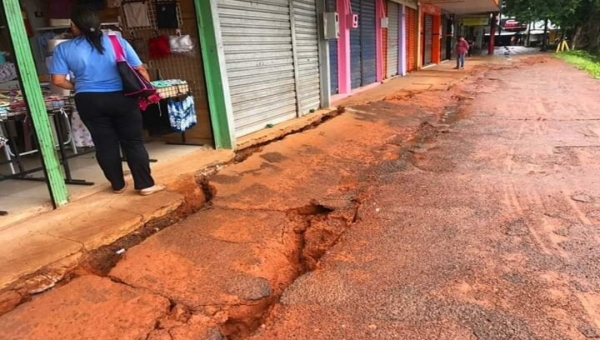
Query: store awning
pixel 466 6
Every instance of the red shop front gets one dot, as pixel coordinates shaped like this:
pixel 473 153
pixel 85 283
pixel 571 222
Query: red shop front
pixel 431 34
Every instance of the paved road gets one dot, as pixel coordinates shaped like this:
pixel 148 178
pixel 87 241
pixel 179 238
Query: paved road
pixel 471 213
pixel 490 231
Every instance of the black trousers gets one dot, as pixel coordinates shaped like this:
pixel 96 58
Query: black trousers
pixel 115 123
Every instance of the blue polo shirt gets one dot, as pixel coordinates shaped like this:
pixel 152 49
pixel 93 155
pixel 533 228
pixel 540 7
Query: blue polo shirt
pixel 93 72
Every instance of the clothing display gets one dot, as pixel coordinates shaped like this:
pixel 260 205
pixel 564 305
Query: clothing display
pixel 156 120
pixel 166 15
pixel 181 43
pixel 182 114
pixel 42 40
pixel 159 47
pixel 7 72
pixel 136 14
pixel 171 88
pixel 81 135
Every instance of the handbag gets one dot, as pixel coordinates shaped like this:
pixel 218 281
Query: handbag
pixel 134 85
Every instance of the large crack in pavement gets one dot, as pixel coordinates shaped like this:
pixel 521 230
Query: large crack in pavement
pixel 270 220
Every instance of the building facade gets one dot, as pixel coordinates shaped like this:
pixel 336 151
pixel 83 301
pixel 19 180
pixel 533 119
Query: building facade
pixel 264 62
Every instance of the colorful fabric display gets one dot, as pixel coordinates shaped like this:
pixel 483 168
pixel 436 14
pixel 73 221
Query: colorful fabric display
pixel 182 114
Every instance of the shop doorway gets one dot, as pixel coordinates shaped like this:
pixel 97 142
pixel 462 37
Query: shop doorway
pixel 411 39
pixel 393 40
pixel 363 50
pixel 178 75
pixel 449 28
pixel 428 40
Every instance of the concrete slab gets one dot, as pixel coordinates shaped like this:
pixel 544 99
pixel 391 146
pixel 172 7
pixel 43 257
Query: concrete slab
pixel 99 219
pixel 82 226
pixel 275 180
pixel 116 217
pixel 24 251
pixel 88 308
pixel 215 257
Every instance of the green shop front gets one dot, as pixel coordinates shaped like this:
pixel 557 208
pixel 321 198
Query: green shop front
pixel 46 153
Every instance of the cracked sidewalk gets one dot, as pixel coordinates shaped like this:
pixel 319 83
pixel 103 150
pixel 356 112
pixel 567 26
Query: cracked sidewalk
pixel 271 219
pixel 56 241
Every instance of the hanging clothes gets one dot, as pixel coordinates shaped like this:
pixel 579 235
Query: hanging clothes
pixel 81 135
pixel 8 72
pixel 43 40
pixel 166 15
pixel 182 114
pixel 156 120
pixel 136 14
pixel 158 47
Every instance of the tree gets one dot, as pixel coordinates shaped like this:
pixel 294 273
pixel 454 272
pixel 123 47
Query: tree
pixel 577 17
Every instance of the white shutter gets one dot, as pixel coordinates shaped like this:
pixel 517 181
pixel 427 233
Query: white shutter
pixel 257 41
pixel 307 55
pixel 393 39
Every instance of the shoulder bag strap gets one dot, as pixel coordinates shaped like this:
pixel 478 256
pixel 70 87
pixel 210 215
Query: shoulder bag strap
pixel 114 40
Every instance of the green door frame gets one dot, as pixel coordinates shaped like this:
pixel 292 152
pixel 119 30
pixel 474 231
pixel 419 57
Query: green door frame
pixel 215 73
pixel 34 99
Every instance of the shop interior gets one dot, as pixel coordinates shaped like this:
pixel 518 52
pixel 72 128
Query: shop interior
pixel 165 35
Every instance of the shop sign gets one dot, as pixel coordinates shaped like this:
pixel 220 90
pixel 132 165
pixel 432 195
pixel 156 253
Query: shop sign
pixel 431 9
pixel 475 20
pixel 513 25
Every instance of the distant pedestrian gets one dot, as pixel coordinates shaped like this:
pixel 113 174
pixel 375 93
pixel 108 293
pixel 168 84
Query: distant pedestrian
pixel 462 48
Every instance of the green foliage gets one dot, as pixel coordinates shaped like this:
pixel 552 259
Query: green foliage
pixel 583 61
pixel 568 14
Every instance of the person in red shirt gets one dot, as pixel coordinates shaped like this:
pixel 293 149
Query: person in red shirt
pixel 462 47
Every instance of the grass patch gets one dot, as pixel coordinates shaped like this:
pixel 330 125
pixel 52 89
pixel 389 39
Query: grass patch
pixel 583 61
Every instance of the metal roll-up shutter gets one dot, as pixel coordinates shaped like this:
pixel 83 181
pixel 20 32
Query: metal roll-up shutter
pixel 368 42
pixel 393 39
pixel 355 49
pixel 333 55
pixel 257 39
pixel 384 44
pixel 428 40
pixel 307 55
pixel 443 54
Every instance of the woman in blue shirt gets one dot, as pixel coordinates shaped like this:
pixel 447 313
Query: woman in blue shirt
pixel 114 121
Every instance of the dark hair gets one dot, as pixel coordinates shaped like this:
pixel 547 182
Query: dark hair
pixel 88 22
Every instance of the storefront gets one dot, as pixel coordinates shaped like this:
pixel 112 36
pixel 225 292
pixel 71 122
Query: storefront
pixel 473 28
pixel 331 6
pixel 45 150
pixel 271 58
pixel 399 36
pixel 430 34
pixel 363 49
pixel 394 32
pixel 412 36
pixel 447 36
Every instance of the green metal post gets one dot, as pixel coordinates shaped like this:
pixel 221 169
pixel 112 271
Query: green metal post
pixel 217 86
pixel 35 101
